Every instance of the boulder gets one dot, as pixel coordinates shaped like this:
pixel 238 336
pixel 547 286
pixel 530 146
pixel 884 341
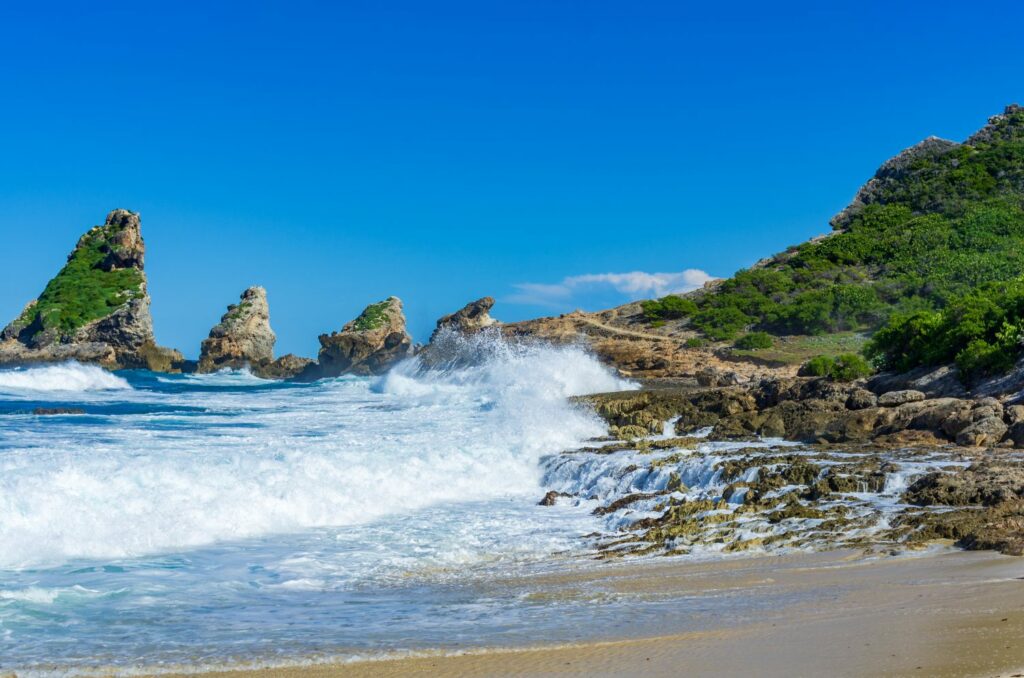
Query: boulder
pixel 243 337
pixel 987 431
pixel 368 345
pixel 96 309
pixel 861 399
pixel 896 398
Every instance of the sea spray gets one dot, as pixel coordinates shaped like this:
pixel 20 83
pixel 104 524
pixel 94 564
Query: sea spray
pixel 65 377
pixel 243 460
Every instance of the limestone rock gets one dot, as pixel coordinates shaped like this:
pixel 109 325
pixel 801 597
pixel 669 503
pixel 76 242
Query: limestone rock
pixel 96 309
pixel 895 398
pixel 368 345
pixel 984 432
pixel 470 319
pixel 243 337
pixel 985 484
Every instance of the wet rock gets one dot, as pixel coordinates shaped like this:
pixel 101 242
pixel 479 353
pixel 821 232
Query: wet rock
pixel 895 398
pixel 985 484
pixel 285 367
pixel 551 498
pixel 470 319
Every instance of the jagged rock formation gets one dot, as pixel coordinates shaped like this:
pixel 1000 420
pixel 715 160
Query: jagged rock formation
pixel 446 345
pixel 470 319
pixel 242 337
pixel 368 345
pixel 96 309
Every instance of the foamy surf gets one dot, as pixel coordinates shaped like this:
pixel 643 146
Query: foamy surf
pixel 65 377
pixel 231 493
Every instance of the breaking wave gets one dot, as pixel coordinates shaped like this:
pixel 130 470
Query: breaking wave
pixel 238 464
pixel 70 376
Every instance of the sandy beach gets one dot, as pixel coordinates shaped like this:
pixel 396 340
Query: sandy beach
pixel 950 613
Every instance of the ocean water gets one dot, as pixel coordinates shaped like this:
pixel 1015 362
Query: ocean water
pixel 187 520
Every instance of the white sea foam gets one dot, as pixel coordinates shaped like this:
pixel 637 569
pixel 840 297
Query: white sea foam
pixel 70 376
pixel 343 452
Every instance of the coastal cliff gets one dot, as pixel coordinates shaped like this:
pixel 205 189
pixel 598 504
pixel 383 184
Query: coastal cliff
pixel 96 309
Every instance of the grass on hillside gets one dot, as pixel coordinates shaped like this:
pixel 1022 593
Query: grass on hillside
pixel 797 350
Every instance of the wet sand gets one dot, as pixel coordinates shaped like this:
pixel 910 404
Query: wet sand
pixel 947 614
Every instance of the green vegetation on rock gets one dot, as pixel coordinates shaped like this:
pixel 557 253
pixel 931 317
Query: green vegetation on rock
pixel 934 223
pixel 84 290
pixel 373 317
pixel 845 367
pixel 755 341
pixel 668 308
pixel 980 331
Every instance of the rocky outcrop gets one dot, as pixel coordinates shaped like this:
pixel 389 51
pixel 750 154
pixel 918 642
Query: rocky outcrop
pixel 96 309
pixel 896 170
pixel 243 337
pixel 813 410
pixel 470 319
pixel 368 345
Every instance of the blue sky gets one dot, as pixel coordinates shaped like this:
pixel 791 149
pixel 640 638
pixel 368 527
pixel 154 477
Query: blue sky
pixel 340 152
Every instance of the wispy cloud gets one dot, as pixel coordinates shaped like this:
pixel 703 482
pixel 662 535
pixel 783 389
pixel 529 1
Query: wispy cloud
pixel 634 285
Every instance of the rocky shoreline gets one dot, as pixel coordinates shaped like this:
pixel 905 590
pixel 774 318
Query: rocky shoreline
pixel 801 463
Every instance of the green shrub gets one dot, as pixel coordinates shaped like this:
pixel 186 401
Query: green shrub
pixel 669 307
pixel 695 342
pixel 845 367
pixel 980 331
pixel 755 340
pixel 817 366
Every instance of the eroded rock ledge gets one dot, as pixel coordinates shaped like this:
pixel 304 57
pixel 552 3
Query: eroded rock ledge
pixel 692 468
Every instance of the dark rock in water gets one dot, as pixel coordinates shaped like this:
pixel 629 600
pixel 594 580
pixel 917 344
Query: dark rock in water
pixel 96 309
pixel 243 337
pixel 551 498
pixel 285 367
pixel 368 345
pixel 984 484
pixel 57 411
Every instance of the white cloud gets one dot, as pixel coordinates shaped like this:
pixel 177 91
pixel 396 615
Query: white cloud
pixel 634 285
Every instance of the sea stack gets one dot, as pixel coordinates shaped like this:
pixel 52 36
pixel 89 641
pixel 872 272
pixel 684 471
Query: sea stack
pixel 368 345
pixel 96 309
pixel 242 337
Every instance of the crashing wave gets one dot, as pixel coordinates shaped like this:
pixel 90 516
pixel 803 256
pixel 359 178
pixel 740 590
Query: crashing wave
pixel 70 376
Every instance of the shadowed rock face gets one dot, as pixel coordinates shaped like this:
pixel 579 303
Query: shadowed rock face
pixel 96 309
pixel 243 336
pixel 368 345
